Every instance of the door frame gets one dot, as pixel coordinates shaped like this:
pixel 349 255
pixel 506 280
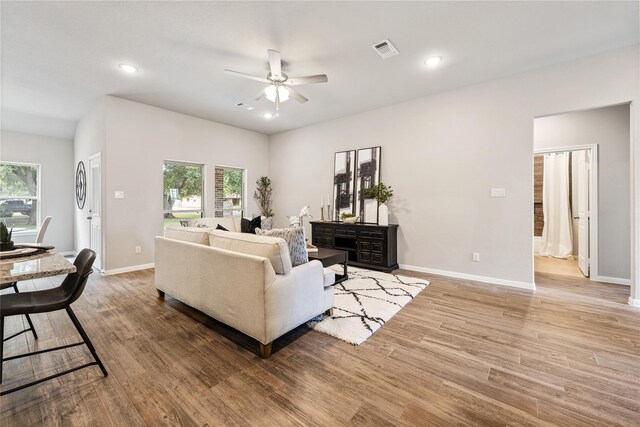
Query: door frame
pixel 101 256
pixel 593 201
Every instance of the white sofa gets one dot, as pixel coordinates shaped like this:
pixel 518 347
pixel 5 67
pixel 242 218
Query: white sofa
pixel 232 278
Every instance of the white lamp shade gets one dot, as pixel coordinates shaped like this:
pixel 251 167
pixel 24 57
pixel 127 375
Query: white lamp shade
pixel 270 93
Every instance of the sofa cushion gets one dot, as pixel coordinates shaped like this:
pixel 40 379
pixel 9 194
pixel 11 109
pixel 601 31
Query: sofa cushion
pixel 295 241
pixel 188 234
pixel 273 248
pixel 231 224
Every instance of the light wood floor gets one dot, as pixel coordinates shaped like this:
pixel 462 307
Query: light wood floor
pixel 461 353
pixel 561 266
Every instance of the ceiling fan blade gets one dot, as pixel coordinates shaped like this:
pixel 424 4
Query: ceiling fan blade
pixel 275 63
pixel 246 76
pixel 261 95
pixel 306 80
pixel 296 95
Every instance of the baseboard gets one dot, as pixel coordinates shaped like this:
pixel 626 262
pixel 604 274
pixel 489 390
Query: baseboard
pixel 128 269
pixel 615 280
pixel 68 253
pixel 634 302
pixel 483 279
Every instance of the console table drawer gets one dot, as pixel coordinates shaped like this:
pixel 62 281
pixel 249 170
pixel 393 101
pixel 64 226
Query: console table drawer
pixel 372 233
pixel 351 232
pixel 322 230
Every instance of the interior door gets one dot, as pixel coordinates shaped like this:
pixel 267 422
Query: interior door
pixel 95 208
pixel 583 160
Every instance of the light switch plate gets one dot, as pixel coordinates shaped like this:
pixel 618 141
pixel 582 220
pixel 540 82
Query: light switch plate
pixel 498 192
pixel 119 194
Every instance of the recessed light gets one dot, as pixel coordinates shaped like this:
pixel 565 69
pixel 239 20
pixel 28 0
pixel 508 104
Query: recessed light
pixel 267 115
pixel 128 68
pixel 433 61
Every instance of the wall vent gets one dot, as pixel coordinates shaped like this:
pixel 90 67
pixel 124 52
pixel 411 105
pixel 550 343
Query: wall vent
pixel 244 106
pixel 385 49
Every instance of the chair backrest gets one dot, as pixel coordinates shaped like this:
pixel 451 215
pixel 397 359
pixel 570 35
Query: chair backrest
pixel 43 229
pixel 73 285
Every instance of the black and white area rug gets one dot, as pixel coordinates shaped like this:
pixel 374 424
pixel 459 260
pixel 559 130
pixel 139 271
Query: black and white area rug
pixel 365 302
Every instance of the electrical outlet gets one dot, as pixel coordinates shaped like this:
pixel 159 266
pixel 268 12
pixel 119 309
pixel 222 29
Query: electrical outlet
pixel 138 249
pixel 476 256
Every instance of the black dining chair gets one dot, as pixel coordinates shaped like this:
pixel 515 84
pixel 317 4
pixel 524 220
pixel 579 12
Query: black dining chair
pixel 14 285
pixel 51 300
pixel 39 239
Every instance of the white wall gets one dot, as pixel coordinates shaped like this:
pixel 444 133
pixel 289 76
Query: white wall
pixel 139 138
pixel 55 156
pixel 443 153
pixel 90 139
pixel 609 128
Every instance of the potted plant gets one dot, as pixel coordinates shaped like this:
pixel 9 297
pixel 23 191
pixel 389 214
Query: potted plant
pixel 348 218
pixel 6 244
pixel 262 195
pixel 382 194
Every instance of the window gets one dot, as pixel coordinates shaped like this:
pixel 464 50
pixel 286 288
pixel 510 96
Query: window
pixel 229 192
pixel 183 192
pixel 20 196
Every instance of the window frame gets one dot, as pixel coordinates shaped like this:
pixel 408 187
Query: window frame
pixel 243 196
pixel 37 198
pixel 203 172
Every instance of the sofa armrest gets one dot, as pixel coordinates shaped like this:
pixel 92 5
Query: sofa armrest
pixel 292 299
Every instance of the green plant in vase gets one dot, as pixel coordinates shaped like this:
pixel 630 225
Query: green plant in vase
pixel 382 193
pixel 6 244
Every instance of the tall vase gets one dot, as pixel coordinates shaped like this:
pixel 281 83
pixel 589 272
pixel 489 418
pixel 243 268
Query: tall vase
pixel 370 210
pixel 383 214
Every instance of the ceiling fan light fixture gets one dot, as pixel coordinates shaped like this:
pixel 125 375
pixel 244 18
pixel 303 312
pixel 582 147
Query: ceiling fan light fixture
pixel 433 61
pixel 270 93
pixel 128 68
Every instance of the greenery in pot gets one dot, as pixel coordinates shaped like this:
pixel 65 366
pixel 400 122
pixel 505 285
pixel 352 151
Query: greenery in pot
pixel 346 215
pixel 380 192
pixel 6 244
pixel 263 196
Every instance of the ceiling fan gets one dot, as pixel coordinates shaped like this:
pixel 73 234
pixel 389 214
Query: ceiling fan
pixel 279 89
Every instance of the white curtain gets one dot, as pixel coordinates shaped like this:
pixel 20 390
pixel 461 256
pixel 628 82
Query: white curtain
pixel 557 239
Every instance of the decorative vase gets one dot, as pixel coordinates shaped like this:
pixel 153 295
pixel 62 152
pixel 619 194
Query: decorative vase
pixel 383 214
pixel 370 210
pixel 7 246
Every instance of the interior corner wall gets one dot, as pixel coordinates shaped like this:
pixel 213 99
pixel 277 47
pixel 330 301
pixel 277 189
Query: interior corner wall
pixel 90 139
pixel 55 157
pixel 443 153
pixel 139 138
pixel 609 128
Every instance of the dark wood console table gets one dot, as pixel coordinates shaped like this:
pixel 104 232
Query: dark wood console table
pixel 368 245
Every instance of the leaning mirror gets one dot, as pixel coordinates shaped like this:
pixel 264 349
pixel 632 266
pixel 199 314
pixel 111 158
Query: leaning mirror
pixel 367 179
pixel 343 183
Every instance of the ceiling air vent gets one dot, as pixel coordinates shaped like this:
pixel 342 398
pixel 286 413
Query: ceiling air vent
pixel 385 49
pixel 244 106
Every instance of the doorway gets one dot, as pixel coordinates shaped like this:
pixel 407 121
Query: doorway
pixel 94 197
pixel 566 210
pixel 591 150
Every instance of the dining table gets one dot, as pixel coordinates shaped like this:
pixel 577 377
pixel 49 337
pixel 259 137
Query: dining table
pixel 44 264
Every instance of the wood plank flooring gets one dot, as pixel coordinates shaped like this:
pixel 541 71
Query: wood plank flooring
pixel 561 266
pixel 461 353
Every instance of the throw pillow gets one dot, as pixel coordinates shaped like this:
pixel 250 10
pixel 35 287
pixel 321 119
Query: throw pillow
pixel 249 226
pixel 219 227
pixel 295 241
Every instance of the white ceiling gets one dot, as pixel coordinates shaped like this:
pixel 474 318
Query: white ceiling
pixel 58 58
